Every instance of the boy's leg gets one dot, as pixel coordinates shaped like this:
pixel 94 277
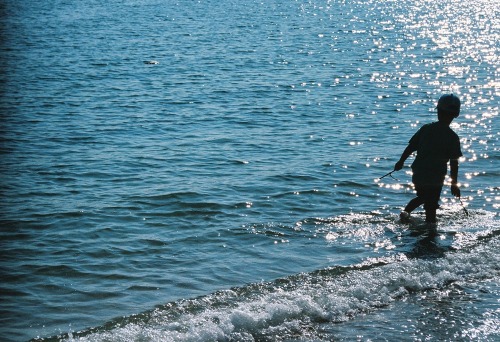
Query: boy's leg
pixel 432 194
pixel 430 215
pixel 404 216
pixel 414 204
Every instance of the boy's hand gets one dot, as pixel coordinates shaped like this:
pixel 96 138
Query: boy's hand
pixel 455 190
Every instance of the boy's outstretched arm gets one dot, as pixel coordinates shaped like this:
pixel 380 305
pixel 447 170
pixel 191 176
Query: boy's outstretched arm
pixel 455 190
pixel 406 153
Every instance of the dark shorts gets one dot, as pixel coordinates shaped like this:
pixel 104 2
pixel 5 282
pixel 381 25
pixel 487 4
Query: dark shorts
pixel 430 194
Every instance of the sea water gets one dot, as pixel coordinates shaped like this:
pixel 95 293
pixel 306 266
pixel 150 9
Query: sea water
pixel 209 170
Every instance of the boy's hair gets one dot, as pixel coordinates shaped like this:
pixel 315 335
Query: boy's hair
pixel 449 104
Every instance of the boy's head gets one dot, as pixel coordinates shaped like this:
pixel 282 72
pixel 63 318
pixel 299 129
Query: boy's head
pixel 448 106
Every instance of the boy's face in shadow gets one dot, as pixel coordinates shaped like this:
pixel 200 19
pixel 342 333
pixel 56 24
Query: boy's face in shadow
pixel 445 117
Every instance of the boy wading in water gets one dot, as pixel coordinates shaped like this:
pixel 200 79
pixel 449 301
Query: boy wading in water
pixel 436 144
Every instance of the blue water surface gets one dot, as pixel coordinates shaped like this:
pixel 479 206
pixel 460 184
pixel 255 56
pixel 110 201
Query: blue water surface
pixel 209 170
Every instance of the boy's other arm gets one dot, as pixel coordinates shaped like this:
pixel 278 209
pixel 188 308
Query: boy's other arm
pixel 455 190
pixel 406 153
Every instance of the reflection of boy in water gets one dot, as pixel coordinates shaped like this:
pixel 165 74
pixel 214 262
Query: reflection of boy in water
pixel 436 144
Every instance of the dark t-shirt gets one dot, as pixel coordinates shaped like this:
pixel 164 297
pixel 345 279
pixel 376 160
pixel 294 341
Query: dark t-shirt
pixel 436 144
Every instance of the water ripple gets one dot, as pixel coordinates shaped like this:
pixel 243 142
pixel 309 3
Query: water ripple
pixel 249 147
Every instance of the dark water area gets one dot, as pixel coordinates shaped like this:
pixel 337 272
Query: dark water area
pixel 209 171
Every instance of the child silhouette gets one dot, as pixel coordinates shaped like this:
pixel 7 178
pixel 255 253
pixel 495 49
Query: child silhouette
pixel 436 144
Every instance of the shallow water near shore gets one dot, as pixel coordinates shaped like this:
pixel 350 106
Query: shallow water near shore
pixel 209 171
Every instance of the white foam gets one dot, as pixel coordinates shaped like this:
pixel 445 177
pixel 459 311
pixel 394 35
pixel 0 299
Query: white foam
pixel 305 300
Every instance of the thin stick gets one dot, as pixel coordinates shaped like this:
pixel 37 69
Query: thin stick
pixel 390 174
pixel 387 174
pixel 463 206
